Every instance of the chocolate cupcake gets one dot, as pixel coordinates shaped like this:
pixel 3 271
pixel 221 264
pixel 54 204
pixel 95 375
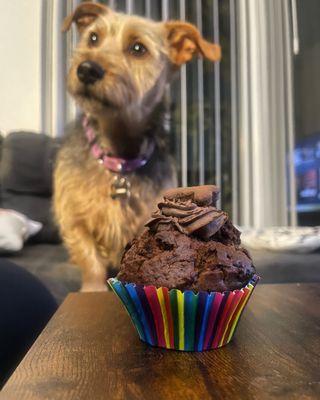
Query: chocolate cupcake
pixel 186 279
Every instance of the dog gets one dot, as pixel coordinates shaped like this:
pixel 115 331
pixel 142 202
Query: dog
pixel 114 164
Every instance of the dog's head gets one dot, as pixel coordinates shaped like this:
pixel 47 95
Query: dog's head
pixel 123 63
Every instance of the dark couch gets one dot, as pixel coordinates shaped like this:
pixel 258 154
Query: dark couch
pixel 26 167
pixel 26 185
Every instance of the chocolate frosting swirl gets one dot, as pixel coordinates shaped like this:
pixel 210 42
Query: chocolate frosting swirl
pixel 188 217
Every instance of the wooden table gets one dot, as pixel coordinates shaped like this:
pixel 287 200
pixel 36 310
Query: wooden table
pixel 89 350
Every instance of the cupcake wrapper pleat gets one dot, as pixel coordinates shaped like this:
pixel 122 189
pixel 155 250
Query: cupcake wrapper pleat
pixel 186 320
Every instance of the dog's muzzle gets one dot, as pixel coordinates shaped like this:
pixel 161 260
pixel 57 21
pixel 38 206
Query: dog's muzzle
pixel 90 72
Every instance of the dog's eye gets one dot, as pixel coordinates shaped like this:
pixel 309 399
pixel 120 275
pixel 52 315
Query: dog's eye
pixel 137 49
pixel 93 39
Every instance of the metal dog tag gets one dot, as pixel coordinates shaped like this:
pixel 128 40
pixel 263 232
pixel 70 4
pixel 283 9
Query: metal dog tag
pixel 120 187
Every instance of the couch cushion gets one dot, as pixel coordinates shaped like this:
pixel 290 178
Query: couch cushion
pixel 1 140
pixel 26 171
pixel 50 264
pixel 27 163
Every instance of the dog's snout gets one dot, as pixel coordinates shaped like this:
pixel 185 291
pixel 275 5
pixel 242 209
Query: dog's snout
pixel 89 72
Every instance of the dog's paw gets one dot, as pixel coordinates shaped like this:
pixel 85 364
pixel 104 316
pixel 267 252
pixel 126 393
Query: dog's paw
pixel 94 287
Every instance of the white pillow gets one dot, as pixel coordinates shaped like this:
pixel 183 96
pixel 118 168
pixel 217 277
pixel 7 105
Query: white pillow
pixel 295 240
pixel 15 229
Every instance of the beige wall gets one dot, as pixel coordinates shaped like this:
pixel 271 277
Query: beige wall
pixel 20 64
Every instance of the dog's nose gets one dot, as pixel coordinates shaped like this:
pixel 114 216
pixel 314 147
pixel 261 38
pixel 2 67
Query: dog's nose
pixel 89 72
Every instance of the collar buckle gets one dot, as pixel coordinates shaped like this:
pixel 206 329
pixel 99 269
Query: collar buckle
pixel 120 187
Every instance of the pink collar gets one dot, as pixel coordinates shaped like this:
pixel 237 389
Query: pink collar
pixel 114 164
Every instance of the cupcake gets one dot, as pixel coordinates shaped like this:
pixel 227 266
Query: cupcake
pixel 186 279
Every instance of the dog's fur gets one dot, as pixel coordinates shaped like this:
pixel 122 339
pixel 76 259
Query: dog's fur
pixel 124 108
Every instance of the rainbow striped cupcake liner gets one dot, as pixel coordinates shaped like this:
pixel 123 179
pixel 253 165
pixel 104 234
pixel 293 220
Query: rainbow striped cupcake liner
pixel 186 320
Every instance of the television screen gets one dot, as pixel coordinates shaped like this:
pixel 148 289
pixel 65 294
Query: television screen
pixel 307 168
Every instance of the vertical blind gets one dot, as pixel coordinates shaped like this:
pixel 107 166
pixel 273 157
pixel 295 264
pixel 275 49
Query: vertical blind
pixel 265 110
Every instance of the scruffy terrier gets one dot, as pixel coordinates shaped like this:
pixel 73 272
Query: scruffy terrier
pixel 114 164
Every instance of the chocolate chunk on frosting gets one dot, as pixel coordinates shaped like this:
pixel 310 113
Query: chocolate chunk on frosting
pixel 190 211
pixel 206 195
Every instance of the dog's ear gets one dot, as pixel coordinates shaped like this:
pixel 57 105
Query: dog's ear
pixel 185 41
pixel 84 15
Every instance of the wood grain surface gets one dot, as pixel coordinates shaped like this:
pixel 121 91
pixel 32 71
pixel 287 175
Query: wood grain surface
pixel 90 350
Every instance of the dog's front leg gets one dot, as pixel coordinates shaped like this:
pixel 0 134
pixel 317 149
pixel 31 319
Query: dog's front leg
pixel 83 252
